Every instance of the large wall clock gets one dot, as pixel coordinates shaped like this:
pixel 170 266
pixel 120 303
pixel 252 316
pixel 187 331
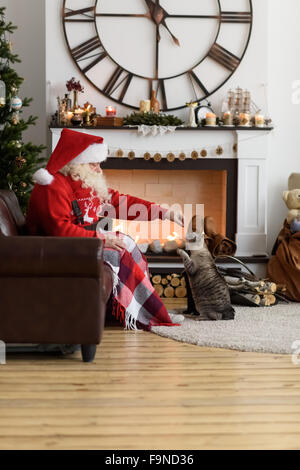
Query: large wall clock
pixel 185 49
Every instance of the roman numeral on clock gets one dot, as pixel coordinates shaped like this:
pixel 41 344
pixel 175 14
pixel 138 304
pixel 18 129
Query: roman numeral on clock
pixel 83 51
pixel 236 17
pixel 224 57
pixel 83 12
pixel 193 78
pixel 116 82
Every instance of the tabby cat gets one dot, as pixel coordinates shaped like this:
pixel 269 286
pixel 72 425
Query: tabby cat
pixel 209 289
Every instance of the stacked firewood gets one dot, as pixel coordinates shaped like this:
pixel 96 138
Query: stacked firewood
pixel 261 293
pixel 169 286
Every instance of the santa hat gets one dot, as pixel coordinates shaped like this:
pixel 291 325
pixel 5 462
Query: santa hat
pixel 73 147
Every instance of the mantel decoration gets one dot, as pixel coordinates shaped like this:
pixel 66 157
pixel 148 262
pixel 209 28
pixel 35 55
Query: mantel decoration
pixel 152 119
pixel 76 87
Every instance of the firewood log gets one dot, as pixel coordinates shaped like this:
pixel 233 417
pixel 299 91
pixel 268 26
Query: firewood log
pixel 169 292
pixel 156 279
pixel 268 300
pixel 175 281
pixel 180 292
pixel 159 289
pixel 164 281
pixel 183 282
pixel 169 277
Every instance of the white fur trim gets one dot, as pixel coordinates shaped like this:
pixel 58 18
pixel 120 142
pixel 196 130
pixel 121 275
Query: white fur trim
pixel 42 177
pixel 95 153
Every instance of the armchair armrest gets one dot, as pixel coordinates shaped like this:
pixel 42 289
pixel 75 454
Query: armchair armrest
pixel 50 256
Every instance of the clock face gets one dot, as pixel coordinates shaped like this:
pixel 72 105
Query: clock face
pixel 184 49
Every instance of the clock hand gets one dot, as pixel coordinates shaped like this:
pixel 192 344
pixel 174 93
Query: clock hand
pixel 158 15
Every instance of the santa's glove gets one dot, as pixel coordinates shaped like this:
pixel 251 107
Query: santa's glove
pixel 176 217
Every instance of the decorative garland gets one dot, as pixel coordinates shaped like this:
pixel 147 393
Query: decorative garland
pixel 152 119
pixel 214 151
pixel 181 155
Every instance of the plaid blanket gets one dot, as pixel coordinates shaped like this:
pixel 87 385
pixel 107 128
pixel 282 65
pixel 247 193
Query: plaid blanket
pixel 133 289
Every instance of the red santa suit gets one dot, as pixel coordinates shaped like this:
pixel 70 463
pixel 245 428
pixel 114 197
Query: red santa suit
pixel 51 213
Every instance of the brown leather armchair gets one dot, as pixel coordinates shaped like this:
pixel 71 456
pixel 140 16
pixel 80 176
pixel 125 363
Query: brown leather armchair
pixel 53 290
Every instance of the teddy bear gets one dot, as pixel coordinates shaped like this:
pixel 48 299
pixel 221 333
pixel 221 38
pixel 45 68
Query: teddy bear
pixel 292 200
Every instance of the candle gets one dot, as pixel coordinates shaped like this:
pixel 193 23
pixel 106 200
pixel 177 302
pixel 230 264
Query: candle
pixel 259 120
pixel 145 106
pixel 69 117
pixel 110 111
pixel 228 118
pixel 211 119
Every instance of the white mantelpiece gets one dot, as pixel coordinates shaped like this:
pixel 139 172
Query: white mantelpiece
pixel 252 153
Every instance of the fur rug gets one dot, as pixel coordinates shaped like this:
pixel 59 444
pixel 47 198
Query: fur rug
pixel 265 330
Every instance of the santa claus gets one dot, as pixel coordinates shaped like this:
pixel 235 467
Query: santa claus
pixel 68 200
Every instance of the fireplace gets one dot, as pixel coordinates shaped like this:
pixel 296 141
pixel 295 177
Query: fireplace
pixel 240 172
pixel 188 184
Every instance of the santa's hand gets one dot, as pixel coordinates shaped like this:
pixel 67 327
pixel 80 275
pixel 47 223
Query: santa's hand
pixel 111 241
pixel 176 217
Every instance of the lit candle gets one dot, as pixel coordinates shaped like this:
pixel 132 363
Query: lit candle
pixel 110 111
pixel 211 119
pixel 69 116
pixel 145 106
pixel 259 120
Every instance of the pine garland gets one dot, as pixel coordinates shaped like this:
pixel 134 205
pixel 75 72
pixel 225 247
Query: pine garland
pixel 152 119
pixel 18 160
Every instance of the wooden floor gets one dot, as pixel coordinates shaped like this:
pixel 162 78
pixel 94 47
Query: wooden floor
pixel 148 392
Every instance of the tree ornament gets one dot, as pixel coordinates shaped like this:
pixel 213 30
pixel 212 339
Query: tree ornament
pixel 147 156
pixel 20 161
pixel 182 156
pixel 15 118
pixel 131 155
pixel 14 144
pixel 170 157
pixel 203 153
pixel 16 103
pixel 23 184
pixel 119 153
pixel 195 155
pixel 157 157
pixel 219 150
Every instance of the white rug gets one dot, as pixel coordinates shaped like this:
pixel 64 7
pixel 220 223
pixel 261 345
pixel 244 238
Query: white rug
pixel 267 330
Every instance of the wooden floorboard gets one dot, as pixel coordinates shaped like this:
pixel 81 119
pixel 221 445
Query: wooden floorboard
pixel 148 392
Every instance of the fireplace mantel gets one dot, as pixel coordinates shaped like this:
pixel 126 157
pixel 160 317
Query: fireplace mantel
pixel 249 147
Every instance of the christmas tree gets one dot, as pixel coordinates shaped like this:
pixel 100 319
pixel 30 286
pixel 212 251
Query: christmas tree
pixel 18 160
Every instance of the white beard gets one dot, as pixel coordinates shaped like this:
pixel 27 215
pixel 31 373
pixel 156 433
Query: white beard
pixel 90 179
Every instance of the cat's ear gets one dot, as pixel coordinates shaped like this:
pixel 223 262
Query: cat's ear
pixel 187 261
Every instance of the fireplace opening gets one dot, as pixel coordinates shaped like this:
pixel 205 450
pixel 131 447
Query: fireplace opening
pixel 186 189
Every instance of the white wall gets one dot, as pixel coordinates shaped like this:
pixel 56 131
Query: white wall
pixel 272 58
pixel 29 43
pixel 284 69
